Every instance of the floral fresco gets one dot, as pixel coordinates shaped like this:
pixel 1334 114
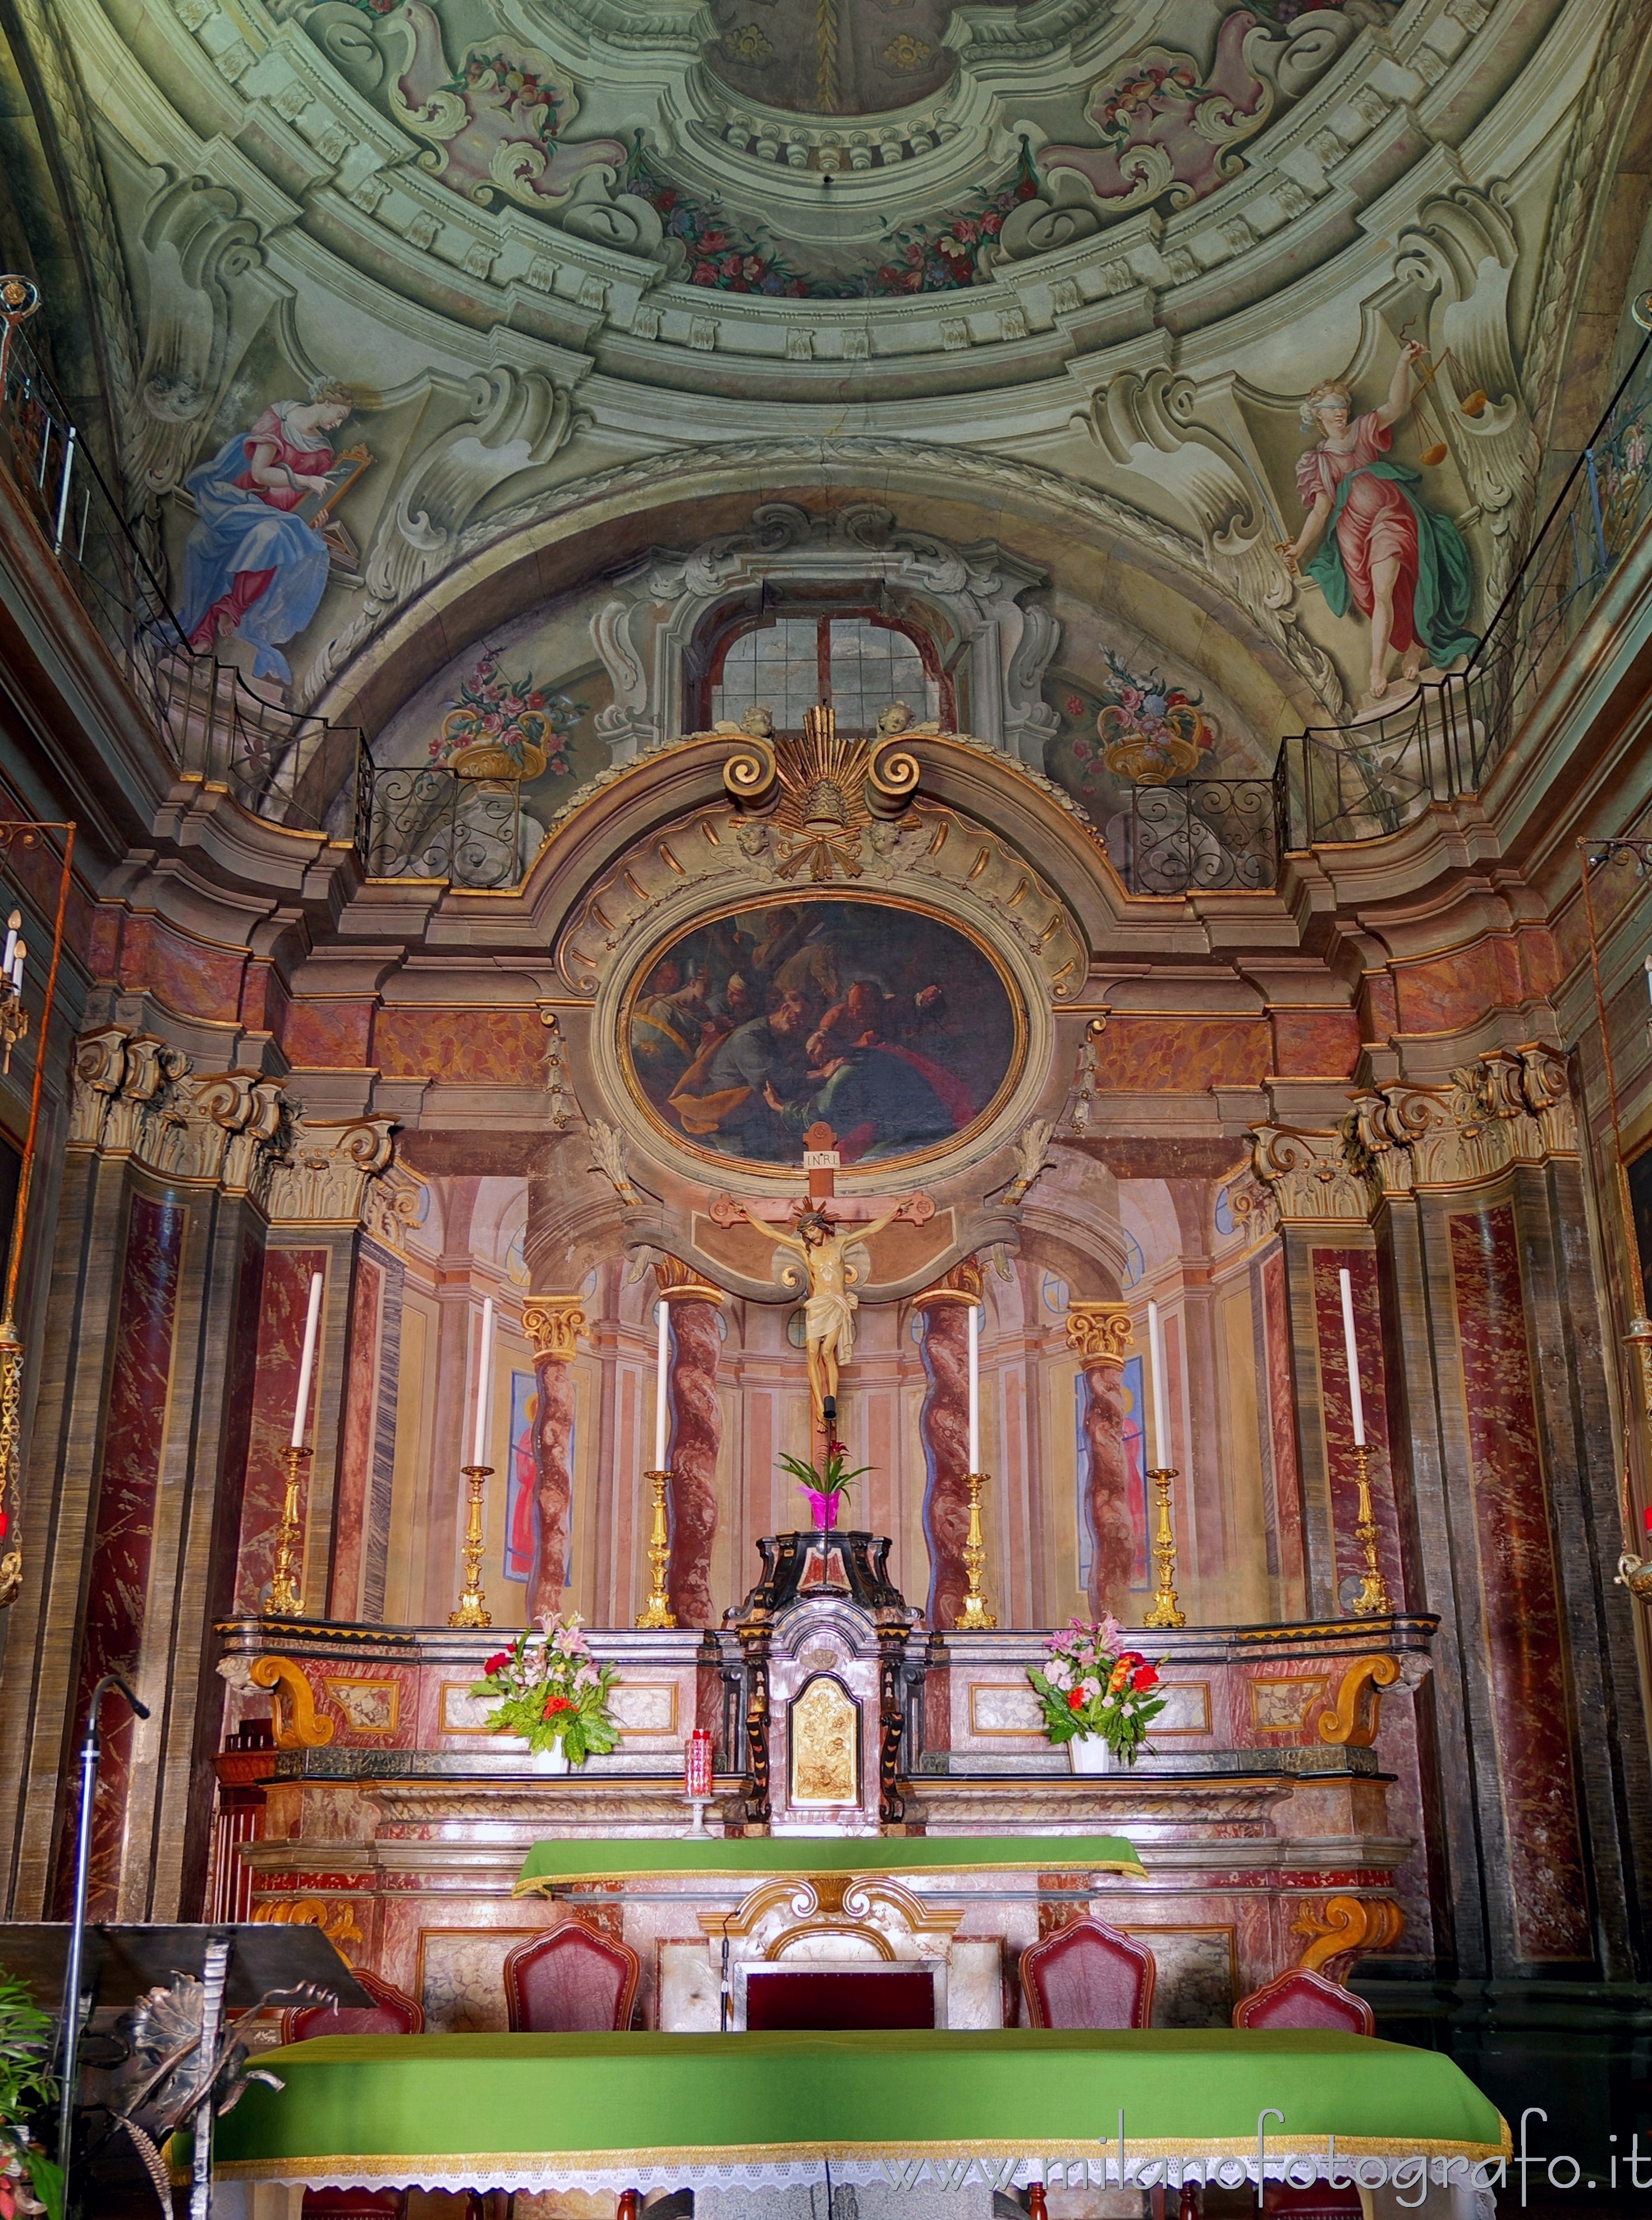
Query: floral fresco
pixel 501 727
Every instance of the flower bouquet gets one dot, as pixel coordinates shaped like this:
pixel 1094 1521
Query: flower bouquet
pixel 824 1487
pixel 29 2182
pixel 548 1688
pixel 1094 1687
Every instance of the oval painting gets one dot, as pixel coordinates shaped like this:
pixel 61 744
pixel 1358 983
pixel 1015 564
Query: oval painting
pixel 891 1026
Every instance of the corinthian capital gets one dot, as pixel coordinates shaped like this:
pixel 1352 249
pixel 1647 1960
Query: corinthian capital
pixel 553 1325
pixel 1099 1332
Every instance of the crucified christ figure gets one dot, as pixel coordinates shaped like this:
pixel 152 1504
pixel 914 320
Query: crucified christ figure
pixel 829 1318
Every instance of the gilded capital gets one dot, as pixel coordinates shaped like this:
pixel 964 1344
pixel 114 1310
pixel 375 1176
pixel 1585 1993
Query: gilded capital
pixel 553 1325
pixel 961 1285
pixel 1099 1332
pixel 680 1283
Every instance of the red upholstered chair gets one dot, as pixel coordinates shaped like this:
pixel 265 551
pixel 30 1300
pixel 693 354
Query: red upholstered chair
pixel 1301 1997
pixel 1087 1975
pixel 391 2013
pixel 570 1981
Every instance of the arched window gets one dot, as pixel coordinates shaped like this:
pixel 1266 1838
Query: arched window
pixel 860 662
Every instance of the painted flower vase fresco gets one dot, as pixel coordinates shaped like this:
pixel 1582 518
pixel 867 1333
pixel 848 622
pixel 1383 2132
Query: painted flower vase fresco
pixel 1150 731
pixel 501 727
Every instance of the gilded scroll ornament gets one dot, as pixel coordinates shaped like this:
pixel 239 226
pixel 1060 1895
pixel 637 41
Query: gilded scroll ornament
pixel 293 1722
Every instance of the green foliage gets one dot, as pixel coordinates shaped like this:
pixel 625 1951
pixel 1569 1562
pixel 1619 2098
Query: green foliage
pixel 1093 1686
pixel 548 1687
pixel 27 2082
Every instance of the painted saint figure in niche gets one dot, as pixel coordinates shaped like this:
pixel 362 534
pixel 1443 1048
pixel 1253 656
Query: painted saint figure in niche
pixel 253 568
pixel 1403 565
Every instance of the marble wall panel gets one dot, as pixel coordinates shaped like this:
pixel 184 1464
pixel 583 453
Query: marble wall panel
pixel 280 1346
pixel 1448 992
pixel 1521 1630
pixel 356 1441
pixel 460 1981
pixel 180 971
pixel 1341 1465
pixel 1178 1055
pixel 1315 1044
pixel 467 1046
pixel 1282 1426
pixel 1197 1981
pixel 329 1035
pixel 123 1530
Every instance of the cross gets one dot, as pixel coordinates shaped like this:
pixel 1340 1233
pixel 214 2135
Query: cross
pixel 820 1162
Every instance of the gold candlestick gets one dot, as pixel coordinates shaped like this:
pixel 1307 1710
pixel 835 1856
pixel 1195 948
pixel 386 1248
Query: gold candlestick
pixel 1167 1609
pixel 284 1599
pixel 975 1615
pixel 472 1603
pixel 1373 1601
pixel 657 1612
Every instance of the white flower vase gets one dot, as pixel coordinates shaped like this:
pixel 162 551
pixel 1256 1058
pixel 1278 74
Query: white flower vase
pixel 554 1760
pixel 1090 1753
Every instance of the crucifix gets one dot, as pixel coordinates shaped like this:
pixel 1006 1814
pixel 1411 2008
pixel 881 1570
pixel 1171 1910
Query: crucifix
pixel 821 1241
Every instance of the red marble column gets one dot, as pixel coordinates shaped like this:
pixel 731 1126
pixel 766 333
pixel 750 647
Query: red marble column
pixel 280 1342
pixel 1341 1465
pixel 553 1325
pixel 1101 1333
pixel 1524 1655
pixel 361 1395
pixel 123 1532
pixel 697 1440
pixel 944 1425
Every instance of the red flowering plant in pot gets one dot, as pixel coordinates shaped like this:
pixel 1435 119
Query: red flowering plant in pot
pixel 824 1485
pixel 1093 1686
pixel 548 1688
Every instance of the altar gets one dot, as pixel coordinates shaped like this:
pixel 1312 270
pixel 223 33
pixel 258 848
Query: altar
pixel 1272 1825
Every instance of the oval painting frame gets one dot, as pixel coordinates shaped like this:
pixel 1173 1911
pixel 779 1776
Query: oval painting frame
pixel 912 1064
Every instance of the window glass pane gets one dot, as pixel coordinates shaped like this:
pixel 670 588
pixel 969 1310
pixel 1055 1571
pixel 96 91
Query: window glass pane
pixel 872 666
pixel 774 668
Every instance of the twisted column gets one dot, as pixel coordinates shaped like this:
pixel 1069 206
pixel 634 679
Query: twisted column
pixel 696 1439
pixel 943 1427
pixel 553 1325
pixel 1100 1334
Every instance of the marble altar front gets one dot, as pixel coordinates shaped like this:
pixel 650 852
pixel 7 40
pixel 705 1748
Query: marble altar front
pixel 1277 1819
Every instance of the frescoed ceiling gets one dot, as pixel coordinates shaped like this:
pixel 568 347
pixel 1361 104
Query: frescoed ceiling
pixel 595 279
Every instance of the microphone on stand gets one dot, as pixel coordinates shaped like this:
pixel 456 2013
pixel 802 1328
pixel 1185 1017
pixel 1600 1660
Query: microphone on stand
pixel 91 1751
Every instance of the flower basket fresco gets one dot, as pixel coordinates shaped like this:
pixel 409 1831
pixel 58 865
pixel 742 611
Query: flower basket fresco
pixel 504 728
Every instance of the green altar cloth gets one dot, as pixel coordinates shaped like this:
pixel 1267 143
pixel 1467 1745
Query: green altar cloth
pixel 553 1865
pixel 622 2111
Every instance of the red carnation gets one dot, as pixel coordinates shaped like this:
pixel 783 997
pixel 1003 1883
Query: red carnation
pixel 555 1704
pixel 498 1661
pixel 1146 1677
pixel 1076 1699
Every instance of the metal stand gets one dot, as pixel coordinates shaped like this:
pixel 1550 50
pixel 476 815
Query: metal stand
pixel 658 1611
pixel 1167 1606
pixel 285 1598
pixel 472 1603
pixel 91 1751
pixel 1373 1599
pixel 975 1617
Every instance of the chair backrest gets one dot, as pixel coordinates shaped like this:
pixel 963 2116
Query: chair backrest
pixel 570 1981
pixel 1087 1975
pixel 392 2013
pixel 1300 1998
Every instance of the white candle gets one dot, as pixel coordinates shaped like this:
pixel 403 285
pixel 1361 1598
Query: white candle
pixel 1161 1409
pixel 484 1382
pixel 15 921
pixel 975 1387
pixel 1354 1396
pixel 306 1362
pixel 660 1389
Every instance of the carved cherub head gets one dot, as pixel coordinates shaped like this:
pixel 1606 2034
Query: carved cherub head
pixel 897 717
pixel 759 722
